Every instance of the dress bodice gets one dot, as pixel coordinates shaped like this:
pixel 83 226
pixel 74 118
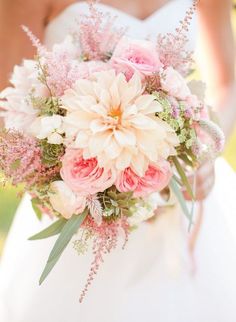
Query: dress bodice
pixel 164 20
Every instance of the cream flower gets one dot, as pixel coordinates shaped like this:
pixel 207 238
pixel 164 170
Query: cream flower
pixel 65 201
pixel 111 119
pixel 47 127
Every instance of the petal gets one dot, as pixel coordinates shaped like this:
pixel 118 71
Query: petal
pixel 139 164
pixel 114 94
pixel 81 140
pixel 147 104
pixel 98 142
pixel 113 149
pixel 129 111
pixel 55 138
pixel 79 120
pixel 123 161
pixel 84 87
pixel 98 125
pixel 143 122
pixel 125 137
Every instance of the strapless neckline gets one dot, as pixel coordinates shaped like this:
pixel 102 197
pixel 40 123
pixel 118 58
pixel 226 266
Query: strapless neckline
pixel 163 20
pixel 117 11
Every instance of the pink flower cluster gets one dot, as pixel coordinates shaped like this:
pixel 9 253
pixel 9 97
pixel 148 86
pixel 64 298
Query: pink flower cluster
pixel 156 178
pixel 20 157
pixel 98 35
pixel 84 177
pixel 132 56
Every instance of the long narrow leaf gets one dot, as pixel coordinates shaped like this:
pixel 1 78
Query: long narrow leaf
pixel 52 230
pixel 183 177
pixel 179 195
pixel 69 229
pixel 193 202
pixel 36 209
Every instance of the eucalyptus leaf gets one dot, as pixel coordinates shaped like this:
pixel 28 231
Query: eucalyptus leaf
pixel 69 229
pixel 183 177
pixel 52 230
pixel 38 212
pixel 179 195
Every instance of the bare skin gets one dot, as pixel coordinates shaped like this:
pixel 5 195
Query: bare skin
pixel 215 33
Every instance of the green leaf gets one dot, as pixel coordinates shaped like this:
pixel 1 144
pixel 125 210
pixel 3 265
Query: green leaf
pixel 179 195
pixel 69 229
pixel 52 230
pixel 183 177
pixel 38 212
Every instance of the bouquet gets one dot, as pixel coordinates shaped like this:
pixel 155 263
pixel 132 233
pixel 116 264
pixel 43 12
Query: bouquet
pixel 100 129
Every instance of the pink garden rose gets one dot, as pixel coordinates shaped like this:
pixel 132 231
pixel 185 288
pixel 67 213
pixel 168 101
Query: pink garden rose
pixel 84 176
pixel 135 55
pixel 174 84
pixel 156 178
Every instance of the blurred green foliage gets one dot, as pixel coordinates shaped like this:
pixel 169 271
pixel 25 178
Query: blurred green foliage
pixel 9 201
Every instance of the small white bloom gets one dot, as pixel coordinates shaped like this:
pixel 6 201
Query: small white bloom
pixel 48 127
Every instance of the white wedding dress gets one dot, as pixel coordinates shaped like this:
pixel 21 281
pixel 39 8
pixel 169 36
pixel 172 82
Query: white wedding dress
pixel 152 279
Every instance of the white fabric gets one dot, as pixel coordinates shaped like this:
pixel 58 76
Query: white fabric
pixel 151 279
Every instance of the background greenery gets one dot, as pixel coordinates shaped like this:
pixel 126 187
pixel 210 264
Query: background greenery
pixel 9 199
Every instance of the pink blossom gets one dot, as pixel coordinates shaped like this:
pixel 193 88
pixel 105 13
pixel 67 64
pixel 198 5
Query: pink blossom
pixel 20 157
pixel 156 178
pixel 135 55
pixel 174 84
pixel 85 69
pixel 97 33
pixel 84 176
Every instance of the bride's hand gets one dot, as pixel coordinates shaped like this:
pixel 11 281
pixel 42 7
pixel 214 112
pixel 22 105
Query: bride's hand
pixel 205 179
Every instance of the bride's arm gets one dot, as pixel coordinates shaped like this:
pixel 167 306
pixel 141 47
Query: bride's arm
pixel 15 45
pixel 217 57
pixel 217 62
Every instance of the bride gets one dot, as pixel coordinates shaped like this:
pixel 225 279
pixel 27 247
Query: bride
pixel 157 277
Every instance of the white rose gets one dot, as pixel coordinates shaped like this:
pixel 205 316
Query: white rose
pixel 174 84
pixel 65 201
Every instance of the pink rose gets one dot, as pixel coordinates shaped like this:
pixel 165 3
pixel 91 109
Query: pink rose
pixel 84 176
pixel 156 178
pixel 174 84
pixel 135 55
pixel 85 69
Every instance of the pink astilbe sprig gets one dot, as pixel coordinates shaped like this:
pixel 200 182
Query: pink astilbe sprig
pixel 21 160
pixel 172 46
pixel 58 68
pixel 97 34
pixel 105 240
pixel 20 157
pixel 34 40
pixel 61 72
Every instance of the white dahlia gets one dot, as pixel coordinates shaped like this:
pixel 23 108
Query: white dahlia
pixel 111 119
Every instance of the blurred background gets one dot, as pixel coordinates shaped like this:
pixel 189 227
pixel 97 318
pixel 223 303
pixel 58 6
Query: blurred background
pixel 10 196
